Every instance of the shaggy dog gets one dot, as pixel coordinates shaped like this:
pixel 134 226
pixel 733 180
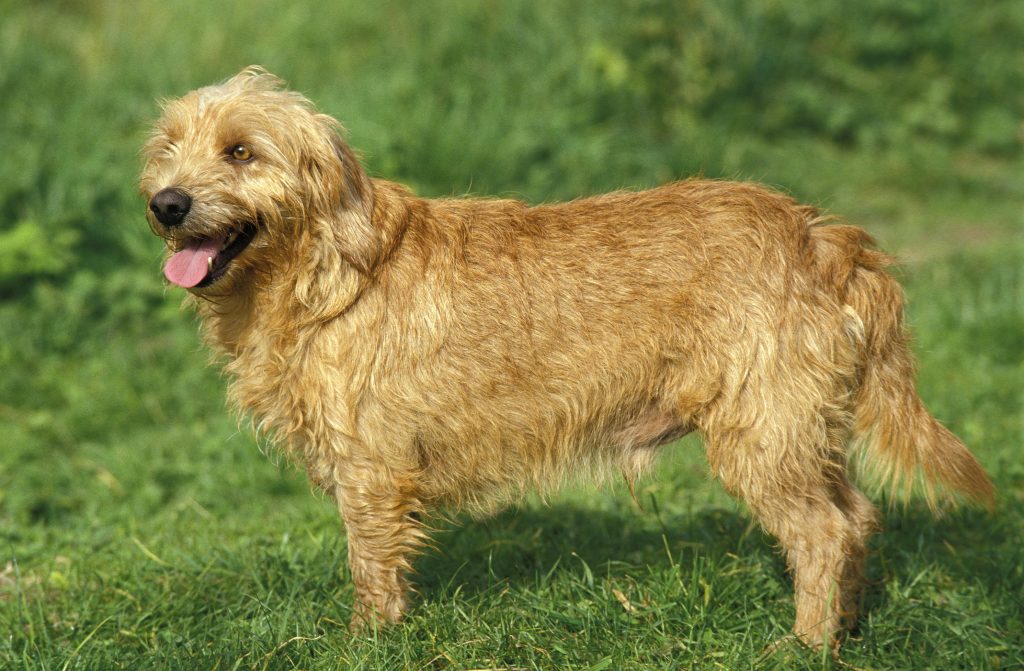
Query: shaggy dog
pixel 416 353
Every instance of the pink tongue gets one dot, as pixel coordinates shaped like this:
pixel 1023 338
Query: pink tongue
pixel 188 267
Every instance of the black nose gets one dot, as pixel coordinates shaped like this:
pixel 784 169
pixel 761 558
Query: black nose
pixel 170 206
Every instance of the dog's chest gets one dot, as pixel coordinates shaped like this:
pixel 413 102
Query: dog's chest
pixel 299 389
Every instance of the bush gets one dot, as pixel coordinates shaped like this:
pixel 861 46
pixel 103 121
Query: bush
pixel 873 74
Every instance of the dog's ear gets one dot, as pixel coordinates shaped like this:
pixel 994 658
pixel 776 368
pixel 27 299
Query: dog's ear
pixel 340 198
pixel 338 244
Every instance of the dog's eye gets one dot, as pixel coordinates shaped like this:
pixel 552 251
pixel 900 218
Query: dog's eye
pixel 241 153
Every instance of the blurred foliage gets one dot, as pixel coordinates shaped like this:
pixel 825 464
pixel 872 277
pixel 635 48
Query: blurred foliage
pixel 872 74
pixel 26 252
pixel 540 99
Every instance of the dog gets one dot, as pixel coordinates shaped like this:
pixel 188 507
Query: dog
pixel 418 354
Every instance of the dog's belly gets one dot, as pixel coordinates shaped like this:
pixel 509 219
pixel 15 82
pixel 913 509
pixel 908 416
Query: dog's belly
pixel 651 428
pixel 483 456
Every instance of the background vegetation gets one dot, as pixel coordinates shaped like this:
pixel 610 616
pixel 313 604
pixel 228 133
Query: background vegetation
pixel 139 528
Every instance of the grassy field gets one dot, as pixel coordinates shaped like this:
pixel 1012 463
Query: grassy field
pixel 140 528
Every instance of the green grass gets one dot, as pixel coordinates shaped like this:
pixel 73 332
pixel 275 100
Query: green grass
pixel 141 528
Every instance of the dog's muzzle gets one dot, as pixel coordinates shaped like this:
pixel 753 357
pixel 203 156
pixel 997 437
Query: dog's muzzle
pixel 170 206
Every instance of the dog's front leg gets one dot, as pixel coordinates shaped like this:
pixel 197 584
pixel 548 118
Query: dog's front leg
pixel 384 533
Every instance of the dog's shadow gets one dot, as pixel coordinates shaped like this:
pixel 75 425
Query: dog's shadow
pixel 521 547
pixel 966 546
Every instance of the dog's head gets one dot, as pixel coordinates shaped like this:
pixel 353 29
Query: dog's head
pixel 245 180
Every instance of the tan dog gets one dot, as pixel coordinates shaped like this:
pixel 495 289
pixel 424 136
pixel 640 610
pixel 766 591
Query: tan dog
pixel 416 353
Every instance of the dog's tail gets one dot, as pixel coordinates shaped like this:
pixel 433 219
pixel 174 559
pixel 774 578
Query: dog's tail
pixel 904 446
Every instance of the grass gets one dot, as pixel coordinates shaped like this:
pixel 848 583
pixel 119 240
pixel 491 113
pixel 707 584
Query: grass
pixel 141 528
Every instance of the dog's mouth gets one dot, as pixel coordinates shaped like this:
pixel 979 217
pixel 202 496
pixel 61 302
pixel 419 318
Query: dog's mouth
pixel 202 261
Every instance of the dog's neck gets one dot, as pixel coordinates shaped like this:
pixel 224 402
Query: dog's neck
pixel 265 339
pixel 267 329
pixel 267 310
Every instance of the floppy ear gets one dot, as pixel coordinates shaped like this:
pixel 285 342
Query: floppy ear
pixel 340 198
pixel 338 245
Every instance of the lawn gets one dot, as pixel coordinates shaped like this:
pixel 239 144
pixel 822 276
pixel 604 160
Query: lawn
pixel 143 527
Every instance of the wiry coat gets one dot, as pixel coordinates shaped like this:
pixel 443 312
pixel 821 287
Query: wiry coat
pixel 416 353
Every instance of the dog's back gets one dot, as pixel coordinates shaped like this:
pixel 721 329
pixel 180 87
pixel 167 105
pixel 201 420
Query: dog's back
pixel 575 334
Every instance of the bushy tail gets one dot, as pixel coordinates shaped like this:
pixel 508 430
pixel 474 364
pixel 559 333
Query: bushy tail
pixel 905 446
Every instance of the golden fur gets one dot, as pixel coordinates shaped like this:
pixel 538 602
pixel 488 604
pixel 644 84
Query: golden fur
pixel 416 353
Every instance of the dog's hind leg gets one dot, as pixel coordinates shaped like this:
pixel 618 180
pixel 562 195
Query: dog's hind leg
pixel 384 533
pixel 793 479
pixel 862 522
